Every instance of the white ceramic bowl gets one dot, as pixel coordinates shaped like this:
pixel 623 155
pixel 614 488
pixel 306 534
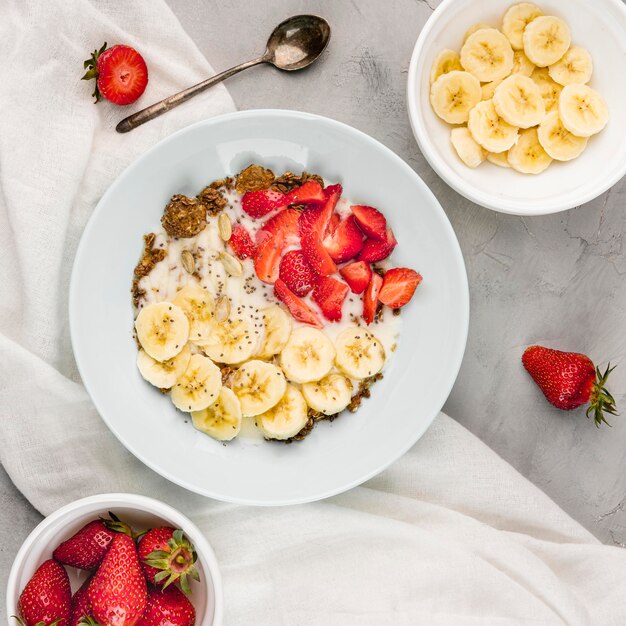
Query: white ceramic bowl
pixel 337 455
pixel 140 512
pixel 599 26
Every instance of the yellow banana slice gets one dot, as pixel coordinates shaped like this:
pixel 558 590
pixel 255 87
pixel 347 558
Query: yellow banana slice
pixel 199 386
pixel 308 355
pixel 475 28
pixel 582 110
pixel 221 420
pixel 259 386
pixel 489 129
pixel 287 418
pixel 546 40
pixel 162 330
pixel 488 89
pixel 276 331
pixel 527 155
pixel 359 353
pixel 573 68
pixel 515 21
pixel 453 95
pixel 550 91
pixel 522 64
pixel 446 61
pixel 557 141
pixel 518 101
pixel 163 374
pixel 330 395
pixel 501 159
pixel 231 341
pixel 198 305
pixel 487 54
pixel 468 150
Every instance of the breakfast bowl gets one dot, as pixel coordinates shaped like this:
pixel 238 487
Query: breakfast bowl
pixel 600 27
pixel 141 513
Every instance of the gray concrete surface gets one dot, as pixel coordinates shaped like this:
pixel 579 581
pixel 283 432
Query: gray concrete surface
pixel 557 280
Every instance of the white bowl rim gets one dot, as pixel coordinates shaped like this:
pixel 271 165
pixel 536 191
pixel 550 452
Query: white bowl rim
pixel 438 164
pixel 157 507
pixel 453 369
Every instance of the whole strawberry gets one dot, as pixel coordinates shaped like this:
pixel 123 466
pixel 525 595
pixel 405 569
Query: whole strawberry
pixel 167 607
pixel 46 599
pixel 118 591
pixel 167 556
pixel 569 380
pixel 81 607
pixel 86 549
pixel 121 74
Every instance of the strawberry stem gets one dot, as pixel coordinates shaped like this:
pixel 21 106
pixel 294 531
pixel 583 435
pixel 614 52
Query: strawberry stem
pixel 91 65
pixel 601 399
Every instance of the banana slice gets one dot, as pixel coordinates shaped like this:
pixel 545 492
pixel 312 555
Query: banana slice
pixel 446 61
pixel 359 353
pixel 527 155
pixel 515 21
pixel 308 355
pixel 468 150
pixel 573 68
pixel 453 95
pixel 489 129
pixel 582 110
pixel 501 159
pixel 221 420
pixel 259 386
pixel 557 141
pixel 199 386
pixel 198 305
pixel 163 374
pixel 475 28
pixel 287 418
pixel 231 341
pixel 522 64
pixel 277 328
pixel 550 91
pixel 518 101
pixel 330 395
pixel 487 54
pixel 488 89
pixel 162 330
pixel 546 40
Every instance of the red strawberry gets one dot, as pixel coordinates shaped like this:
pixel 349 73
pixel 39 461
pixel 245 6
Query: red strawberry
pixel 569 380
pixel 374 251
pixel 46 599
pixel 345 242
pixel 121 74
pixel 316 255
pixel 334 222
pixel 241 243
pixel 399 285
pixel 329 295
pixel 259 203
pixel 370 298
pixel 167 607
pixel 81 607
pixel 118 591
pixel 88 546
pixel 357 275
pixel 296 273
pixel 168 556
pixel 371 221
pixel 285 222
pixel 298 308
pixel 318 218
pixel 309 193
pixel 267 259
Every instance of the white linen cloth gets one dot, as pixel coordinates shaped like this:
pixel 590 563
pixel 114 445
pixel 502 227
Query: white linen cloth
pixel 449 535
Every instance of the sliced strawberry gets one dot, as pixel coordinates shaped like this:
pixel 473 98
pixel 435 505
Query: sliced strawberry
pixel 371 221
pixel 259 203
pixel 335 220
pixel 318 218
pixel 309 193
pixel 399 285
pixel 241 242
pixel 299 310
pixel 285 222
pixel 296 273
pixel 357 275
pixel 267 259
pixel 370 298
pixel 333 190
pixel 345 242
pixel 316 255
pixel 374 251
pixel 329 295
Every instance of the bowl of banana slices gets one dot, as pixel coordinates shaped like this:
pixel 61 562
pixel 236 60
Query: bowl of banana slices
pixel 516 106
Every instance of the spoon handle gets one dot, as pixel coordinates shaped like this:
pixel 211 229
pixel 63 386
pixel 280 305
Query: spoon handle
pixel 158 108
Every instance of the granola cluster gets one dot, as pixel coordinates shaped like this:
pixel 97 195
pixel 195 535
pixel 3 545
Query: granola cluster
pixel 183 217
pixel 150 257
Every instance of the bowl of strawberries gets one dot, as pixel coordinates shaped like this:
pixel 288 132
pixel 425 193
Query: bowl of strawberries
pixel 119 560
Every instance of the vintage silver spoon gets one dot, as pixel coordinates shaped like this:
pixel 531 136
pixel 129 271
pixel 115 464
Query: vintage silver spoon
pixel 294 44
